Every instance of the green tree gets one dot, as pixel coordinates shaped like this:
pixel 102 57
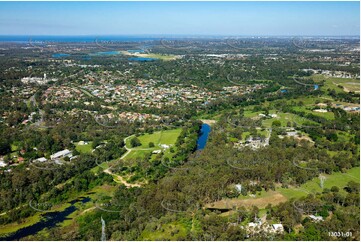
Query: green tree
pixel 276 123
pixel 135 142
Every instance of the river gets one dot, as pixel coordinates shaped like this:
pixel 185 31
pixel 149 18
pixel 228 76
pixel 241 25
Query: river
pixel 203 137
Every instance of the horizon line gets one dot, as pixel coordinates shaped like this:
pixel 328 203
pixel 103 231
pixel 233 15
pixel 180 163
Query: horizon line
pixel 170 35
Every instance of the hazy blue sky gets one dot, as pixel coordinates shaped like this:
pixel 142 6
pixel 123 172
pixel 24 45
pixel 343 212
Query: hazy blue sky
pixel 194 18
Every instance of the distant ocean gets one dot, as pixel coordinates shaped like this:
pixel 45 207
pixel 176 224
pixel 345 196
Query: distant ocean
pixel 136 38
pixel 79 39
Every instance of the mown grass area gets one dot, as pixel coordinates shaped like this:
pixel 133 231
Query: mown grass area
pixel 250 114
pixel 349 84
pixel 336 179
pixel 87 148
pixel 164 57
pixel 138 154
pixel 309 103
pixel 263 198
pixel 101 166
pixel 284 118
pixel 160 56
pixel 168 137
pixel 327 115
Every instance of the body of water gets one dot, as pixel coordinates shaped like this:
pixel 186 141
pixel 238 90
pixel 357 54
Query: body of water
pixel 77 39
pixel 203 137
pixel 105 53
pixel 60 55
pixel 49 220
pixel 142 59
pixel 136 51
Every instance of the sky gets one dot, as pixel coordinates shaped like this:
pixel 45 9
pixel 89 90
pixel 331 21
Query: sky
pixel 180 18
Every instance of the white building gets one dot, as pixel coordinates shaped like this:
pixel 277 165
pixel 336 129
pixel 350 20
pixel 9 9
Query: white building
pixel 164 146
pixel 316 218
pixel 37 80
pixel 238 187
pixel 42 159
pixel 2 163
pixel 292 133
pixel 320 110
pixel 61 154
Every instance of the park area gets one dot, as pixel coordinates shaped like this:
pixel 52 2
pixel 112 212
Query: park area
pixel 162 140
pixel 339 84
pixel 84 147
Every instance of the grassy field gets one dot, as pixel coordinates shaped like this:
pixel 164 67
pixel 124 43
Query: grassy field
pixel 84 148
pixel 168 137
pixel 160 56
pixel 284 118
pixel 327 115
pixel 348 84
pixel 262 199
pixel 163 57
pixel 336 179
pixel 138 154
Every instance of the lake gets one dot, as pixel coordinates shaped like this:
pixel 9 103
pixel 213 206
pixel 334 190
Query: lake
pixel 60 55
pixel 135 51
pixel 105 53
pixel 49 220
pixel 142 59
pixel 203 137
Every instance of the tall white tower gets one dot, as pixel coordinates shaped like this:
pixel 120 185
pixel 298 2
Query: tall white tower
pixel 44 76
